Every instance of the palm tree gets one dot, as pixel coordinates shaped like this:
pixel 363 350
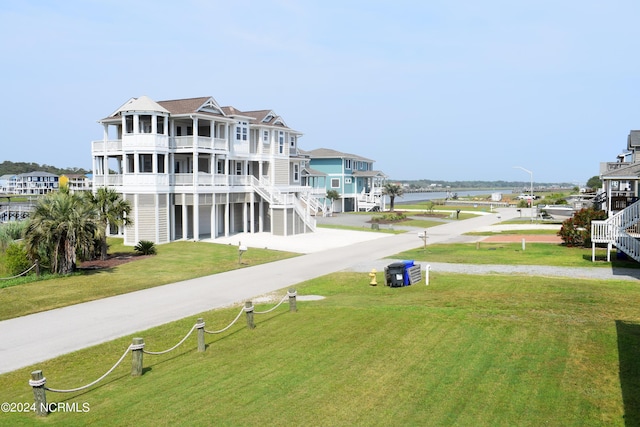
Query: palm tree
pixel 112 211
pixel 60 225
pixel 393 191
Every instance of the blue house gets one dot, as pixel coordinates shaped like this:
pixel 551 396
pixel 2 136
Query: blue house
pixel 352 176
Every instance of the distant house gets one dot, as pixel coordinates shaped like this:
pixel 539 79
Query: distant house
pixel 76 182
pixel 352 176
pixel 7 184
pixel 33 183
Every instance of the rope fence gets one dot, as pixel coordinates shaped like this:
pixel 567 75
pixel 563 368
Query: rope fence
pixel 38 381
pixel 35 265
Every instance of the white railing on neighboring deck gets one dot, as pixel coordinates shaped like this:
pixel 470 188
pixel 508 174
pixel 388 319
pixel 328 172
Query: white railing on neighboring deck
pixel 614 230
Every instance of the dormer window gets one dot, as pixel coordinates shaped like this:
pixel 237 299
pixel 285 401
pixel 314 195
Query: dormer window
pixel 268 118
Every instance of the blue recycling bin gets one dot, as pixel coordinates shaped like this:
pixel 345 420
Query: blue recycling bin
pixel 407 265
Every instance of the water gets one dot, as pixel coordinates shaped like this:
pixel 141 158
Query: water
pixel 432 195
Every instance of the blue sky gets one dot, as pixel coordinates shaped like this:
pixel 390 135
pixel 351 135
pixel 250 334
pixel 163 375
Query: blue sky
pixel 444 90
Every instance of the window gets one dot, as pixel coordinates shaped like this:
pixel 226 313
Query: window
pixel 347 180
pixel 281 142
pixel 238 168
pixel 129 124
pixel 160 163
pixel 292 141
pixel 145 124
pixel 220 166
pixel 160 125
pixel 241 131
pixel 335 183
pixel 296 172
pixel 146 163
pixel 265 137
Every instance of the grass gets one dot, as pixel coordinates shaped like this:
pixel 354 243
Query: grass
pixel 463 351
pixel 175 262
pixel 355 228
pixel 512 232
pixel 512 254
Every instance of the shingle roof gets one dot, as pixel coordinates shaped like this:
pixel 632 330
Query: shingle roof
pixel 144 103
pixel 312 172
pixel 194 105
pixel 327 153
pixel 632 171
pixel 367 174
pixel 184 106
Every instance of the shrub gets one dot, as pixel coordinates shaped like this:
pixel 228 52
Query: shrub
pixel 576 231
pixel 16 260
pixel 145 247
pixel 389 217
pixel 10 231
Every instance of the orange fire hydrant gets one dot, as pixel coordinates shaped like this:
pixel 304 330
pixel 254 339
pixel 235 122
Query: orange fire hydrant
pixel 373 277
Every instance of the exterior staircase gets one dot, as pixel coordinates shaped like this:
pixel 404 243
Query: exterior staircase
pixel 276 198
pixel 621 230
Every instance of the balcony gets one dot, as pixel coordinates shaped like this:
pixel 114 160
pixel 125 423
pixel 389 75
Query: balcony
pixel 110 146
pixel 204 142
pixel 148 141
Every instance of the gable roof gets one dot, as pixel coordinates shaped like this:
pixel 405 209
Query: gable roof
pixel 190 105
pixel 327 153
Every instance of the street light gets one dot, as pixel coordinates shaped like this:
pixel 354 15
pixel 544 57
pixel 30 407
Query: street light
pixel 531 192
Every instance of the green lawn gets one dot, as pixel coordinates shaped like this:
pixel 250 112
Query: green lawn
pixel 512 254
pixel 464 351
pixel 174 262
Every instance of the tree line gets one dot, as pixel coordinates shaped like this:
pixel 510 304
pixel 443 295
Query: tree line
pixel 15 168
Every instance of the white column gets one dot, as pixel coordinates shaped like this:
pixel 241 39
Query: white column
pixel 185 217
pixel 154 124
pixel 136 123
pixel 245 217
pixel 227 216
pixel 196 216
pixel 252 215
pixel 214 228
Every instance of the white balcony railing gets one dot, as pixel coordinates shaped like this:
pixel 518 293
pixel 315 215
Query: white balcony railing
pixel 112 145
pixel 204 142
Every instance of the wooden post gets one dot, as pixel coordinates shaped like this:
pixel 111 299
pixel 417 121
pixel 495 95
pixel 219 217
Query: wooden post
pixel 136 357
pixel 292 300
pixel 200 325
pixel 248 308
pixel 37 382
pixel 37 268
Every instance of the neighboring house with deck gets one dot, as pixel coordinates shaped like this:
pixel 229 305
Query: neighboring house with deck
pixel 619 197
pixel 193 169
pixel 352 176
